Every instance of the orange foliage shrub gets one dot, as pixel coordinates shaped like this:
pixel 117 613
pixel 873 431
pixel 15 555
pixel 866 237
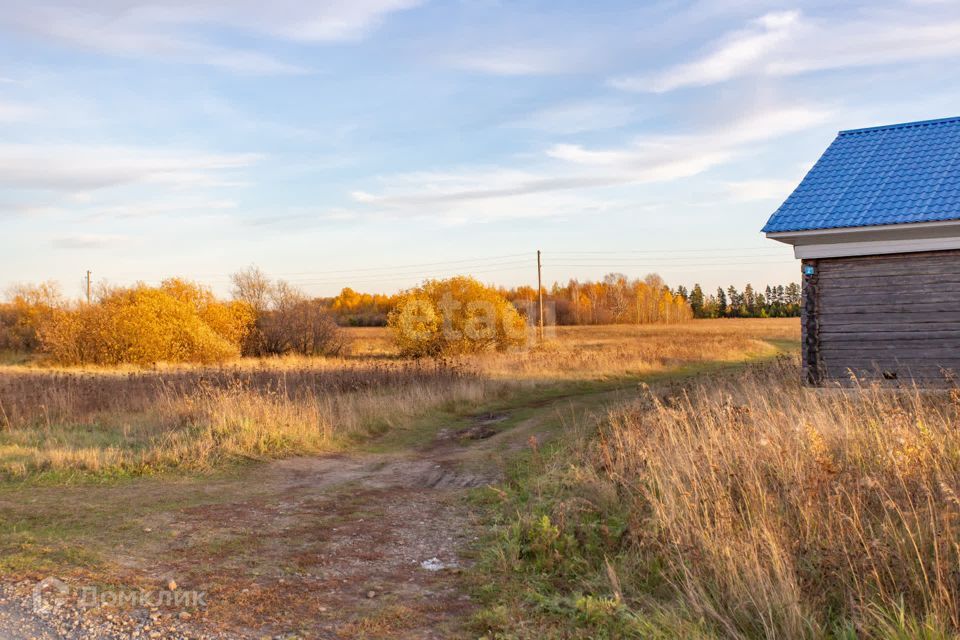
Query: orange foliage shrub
pixel 176 322
pixel 453 317
pixel 355 309
pixel 231 320
pixel 28 309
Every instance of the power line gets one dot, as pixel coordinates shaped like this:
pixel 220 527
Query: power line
pixel 666 251
pixel 406 276
pixel 661 264
pixel 479 266
pixel 406 266
pixel 465 264
pixel 392 277
pixel 618 259
pixel 469 263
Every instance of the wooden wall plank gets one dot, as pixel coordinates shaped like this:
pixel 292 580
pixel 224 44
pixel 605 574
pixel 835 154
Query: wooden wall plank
pixel 924 257
pixel 895 313
pixel 904 333
pixel 903 282
pixel 934 313
pixel 872 297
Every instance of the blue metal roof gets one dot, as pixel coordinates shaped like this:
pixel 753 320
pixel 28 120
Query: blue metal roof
pixel 895 174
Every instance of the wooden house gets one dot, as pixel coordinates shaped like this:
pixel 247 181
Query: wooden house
pixel 876 224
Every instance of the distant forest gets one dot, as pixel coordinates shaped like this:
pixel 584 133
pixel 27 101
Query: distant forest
pixel 774 302
pixel 182 321
pixel 616 299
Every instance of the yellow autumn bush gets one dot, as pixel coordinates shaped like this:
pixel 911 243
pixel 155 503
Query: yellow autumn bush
pixel 231 320
pixel 176 322
pixel 29 307
pixel 455 316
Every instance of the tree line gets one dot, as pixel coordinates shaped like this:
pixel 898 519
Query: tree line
pixel 177 321
pixel 774 302
pixel 615 299
pixel 182 321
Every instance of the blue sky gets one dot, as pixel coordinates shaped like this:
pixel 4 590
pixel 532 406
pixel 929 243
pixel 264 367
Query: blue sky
pixel 371 143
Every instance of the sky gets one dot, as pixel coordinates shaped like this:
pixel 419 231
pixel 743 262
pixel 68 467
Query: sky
pixel 373 143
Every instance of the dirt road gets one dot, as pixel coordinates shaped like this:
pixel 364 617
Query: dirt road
pixel 363 545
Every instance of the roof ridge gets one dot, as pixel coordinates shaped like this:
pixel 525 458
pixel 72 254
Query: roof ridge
pixel 901 125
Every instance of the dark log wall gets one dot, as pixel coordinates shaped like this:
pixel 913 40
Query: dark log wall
pixel 891 317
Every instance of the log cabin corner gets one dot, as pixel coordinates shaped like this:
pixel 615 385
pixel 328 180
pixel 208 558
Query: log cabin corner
pixel 876 224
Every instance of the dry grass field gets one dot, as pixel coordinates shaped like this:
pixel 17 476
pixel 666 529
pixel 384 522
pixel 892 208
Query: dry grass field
pixel 71 422
pixel 133 423
pixel 740 506
pixel 782 512
pixel 616 482
pixel 289 490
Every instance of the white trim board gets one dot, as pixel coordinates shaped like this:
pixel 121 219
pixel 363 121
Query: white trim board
pixel 786 236
pixel 843 249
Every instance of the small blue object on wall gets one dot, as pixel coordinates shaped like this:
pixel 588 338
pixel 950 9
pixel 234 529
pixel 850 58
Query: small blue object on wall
pixel 809 270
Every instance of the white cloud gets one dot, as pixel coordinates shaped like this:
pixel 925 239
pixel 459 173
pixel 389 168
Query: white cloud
pixel 31 210
pixel 166 209
pixel 578 117
pixel 752 190
pixel 679 154
pixel 787 43
pixel 770 123
pixel 579 155
pixel 303 217
pixel 80 168
pixel 128 33
pixel 483 194
pixel 175 31
pixel 14 112
pixel 336 21
pixel 514 62
pixel 570 184
pixel 363 196
pixel 88 241
pixel 862 45
pixel 735 55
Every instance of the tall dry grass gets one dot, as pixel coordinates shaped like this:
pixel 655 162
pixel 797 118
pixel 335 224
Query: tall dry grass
pixel 34 394
pixel 777 511
pixel 134 420
pixel 139 422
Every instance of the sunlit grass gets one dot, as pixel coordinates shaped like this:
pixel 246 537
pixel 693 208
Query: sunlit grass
pixel 134 421
pixel 744 506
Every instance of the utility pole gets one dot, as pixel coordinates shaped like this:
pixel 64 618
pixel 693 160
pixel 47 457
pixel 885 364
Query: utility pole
pixel 540 296
pixel 88 286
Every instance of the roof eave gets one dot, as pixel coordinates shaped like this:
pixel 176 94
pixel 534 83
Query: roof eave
pixel 796 237
pixel 872 240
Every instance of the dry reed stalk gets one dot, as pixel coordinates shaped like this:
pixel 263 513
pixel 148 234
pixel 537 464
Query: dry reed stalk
pixel 778 509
